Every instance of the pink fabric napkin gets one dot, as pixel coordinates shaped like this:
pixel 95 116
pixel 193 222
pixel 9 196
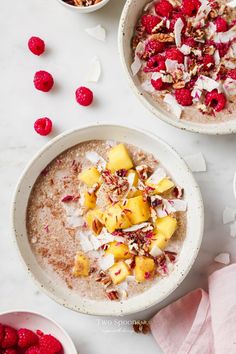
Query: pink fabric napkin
pixel 200 323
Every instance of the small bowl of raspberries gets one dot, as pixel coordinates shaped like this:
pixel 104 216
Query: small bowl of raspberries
pixel 84 6
pixel 24 332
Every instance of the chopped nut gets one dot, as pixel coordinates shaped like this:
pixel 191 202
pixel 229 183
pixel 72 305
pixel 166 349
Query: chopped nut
pixel 141 326
pixel 112 295
pixel 179 84
pixel 163 37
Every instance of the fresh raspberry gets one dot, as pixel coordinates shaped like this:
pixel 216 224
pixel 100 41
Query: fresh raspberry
pixel 221 24
pixel 43 81
pixel 215 100
pixel 232 74
pixel 189 41
pixel 49 344
pixel 208 62
pixel 10 351
pixel 175 54
pixel 153 47
pixel 43 126
pixel 183 97
pixel 1 333
pixel 164 8
pixel 9 338
pixel 33 350
pixel 155 63
pixel 222 48
pixel 149 22
pixel 175 17
pixel 26 337
pixel 158 84
pixel 36 45
pixel 190 7
pixel 84 96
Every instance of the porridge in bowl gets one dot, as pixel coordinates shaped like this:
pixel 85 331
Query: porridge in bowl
pixel 184 56
pixel 106 219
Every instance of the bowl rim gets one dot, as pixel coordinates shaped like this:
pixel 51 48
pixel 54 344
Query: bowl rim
pixel 85 9
pixel 216 129
pixel 53 295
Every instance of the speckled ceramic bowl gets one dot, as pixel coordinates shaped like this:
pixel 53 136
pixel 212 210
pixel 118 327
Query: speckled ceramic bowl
pixel 131 12
pixel 173 164
pixel 35 321
pixel 85 9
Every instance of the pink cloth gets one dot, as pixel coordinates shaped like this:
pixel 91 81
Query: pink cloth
pixel 199 323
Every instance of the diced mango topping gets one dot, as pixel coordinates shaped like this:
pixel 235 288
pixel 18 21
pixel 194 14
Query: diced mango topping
pixel 94 220
pixel 115 218
pixel 163 186
pixel 90 176
pixel 118 272
pixel 144 268
pixel 81 266
pixel 118 158
pixel 159 240
pixel 90 200
pixel 134 174
pixel 119 250
pixel 166 226
pixel 138 210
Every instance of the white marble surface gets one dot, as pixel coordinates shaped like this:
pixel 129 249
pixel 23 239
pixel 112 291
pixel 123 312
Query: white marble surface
pixel 69 50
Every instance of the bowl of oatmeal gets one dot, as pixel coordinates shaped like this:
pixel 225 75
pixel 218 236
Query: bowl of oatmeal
pixel 108 219
pixel 179 58
pixel 84 6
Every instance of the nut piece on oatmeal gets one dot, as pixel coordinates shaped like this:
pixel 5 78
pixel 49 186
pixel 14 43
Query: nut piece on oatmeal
pixel 90 176
pixel 166 226
pixel 94 220
pixel 144 268
pixel 138 210
pixel 118 158
pixel 119 250
pixel 116 218
pixel 81 266
pixel 118 272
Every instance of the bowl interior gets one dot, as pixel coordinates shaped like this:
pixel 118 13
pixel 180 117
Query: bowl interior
pixel 177 169
pixel 34 321
pixel 85 9
pixel 131 13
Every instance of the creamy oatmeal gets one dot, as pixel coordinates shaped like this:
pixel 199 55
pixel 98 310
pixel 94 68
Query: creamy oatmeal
pixel 105 219
pixel 184 56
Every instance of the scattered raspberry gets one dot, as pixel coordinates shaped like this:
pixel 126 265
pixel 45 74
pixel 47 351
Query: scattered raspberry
pixel 153 47
pixel 43 126
pixel 221 24
pixel 36 45
pixel 49 344
pixel 232 74
pixel 158 84
pixel 10 351
pixel 190 7
pixel 1 333
pixel 43 81
pixel 84 96
pixel 222 48
pixel 33 350
pixel 175 54
pixel 155 63
pixel 183 97
pixel 26 337
pixel 215 100
pixel 208 62
pixel 149 22
pixel 9 338
pixel 189 41
pixel 164 8
pixel 175 18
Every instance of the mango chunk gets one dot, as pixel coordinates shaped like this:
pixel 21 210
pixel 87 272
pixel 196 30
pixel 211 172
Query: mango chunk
pixel 90 200
pixel 159 240
pixel 162 186
pixel 133 172
pixel 144 267
pixel 118 158
pixel 119 250
pixel 118 272
pixel 115 218
pixel 90 176
pixel 138 210
pixel 166 226
pixel 81 266
pixel 94 220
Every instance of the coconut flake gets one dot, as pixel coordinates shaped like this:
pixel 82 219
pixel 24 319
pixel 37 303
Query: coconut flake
pixel 137 63
pixel 185 49
pixel 96 159
pixel 223 258
pixel 147 86
pixel 85 243
pixel 155 251
pixel 211 29
pixel 158 175
pixel 175 108
pixel 178 204
pixel 228 215
pixel 106 262
pixel 217 57
pixel 203 12
pixel 75 221
pixel 196 162
pixel 204 83
pixel 98 32
pixel 94 71
pixel 137 227
pixel 229 86
pixel 171 65
pixel 225 37
pixel 95 242
pixel 231 3
pixel 179 25
pixel 104 237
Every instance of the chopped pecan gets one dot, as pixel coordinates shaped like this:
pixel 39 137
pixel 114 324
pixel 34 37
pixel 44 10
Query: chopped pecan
pixel 141 326
pixel 163 37
pixel 112 295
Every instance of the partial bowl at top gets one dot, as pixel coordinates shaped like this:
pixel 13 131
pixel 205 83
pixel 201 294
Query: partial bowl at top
pixel 129 18
pixel 84 9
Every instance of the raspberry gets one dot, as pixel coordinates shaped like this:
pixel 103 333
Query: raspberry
pixel 175 18
pixel 9 338
pixel 149 22
pixel 215 100
pixel 232 74
pixel 221 24
pixel 208 62
pixel 36 45
pixel 1 333
pixel 164 8
pixel 175 54
pixel 43 126
pixel 153 47
pixel 222 48
pixel 49 344
pixel 43 81
pixel 10 351
pixel 158 84
pixel 84 96
pixel 155 63
pixel 27 338
pixel 189 41
pixel 190 7
pixel 33 350
pixel 183 97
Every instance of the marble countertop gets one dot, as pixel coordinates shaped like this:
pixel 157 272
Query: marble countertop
pixel 69 50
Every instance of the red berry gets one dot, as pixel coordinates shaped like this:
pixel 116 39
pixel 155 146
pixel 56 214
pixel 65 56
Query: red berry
pixel 33 350
pixel 155 63
pixel 149 22
pixel 221 24
pixel 189 41
pixel 36 45
pixel 164 8
pixel 222 48
pixel 208 62
pixel 43 81
pixel 215 100
pixel 9 338
pixel 10 351
pixel 232 74
pixel 175 54
pixel 84 96
pixel 26 337
pixel 158 84
pixel 190 7
pixel 183 97
pixel 49 344
pixel 1 333
pixel 153 47
pixel 43 126
pixel 175 18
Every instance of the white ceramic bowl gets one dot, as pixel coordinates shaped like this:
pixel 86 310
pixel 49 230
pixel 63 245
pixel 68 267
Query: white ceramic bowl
pixel 131 12
pixel 177 168
pixel 85 9
pixel 34 321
